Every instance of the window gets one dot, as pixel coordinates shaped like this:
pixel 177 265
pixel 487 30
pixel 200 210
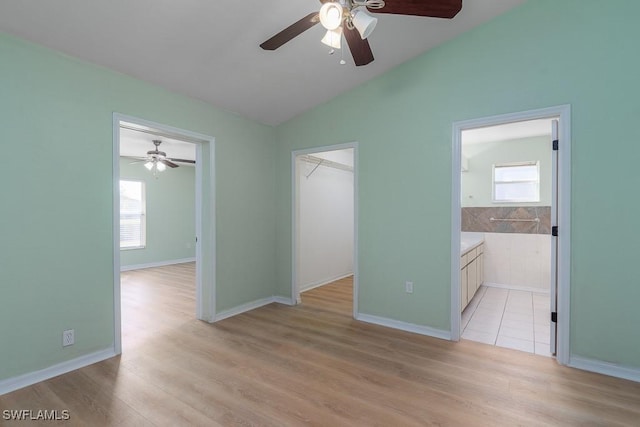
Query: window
pixel 132 215
pixel 516 182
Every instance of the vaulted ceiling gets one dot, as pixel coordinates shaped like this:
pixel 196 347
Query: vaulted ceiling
pixel 209 50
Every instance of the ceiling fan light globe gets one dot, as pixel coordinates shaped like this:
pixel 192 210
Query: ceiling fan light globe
pixel 161 166
pixel 364 23
pixel 148 165
pixel 331 15
pixel 333 38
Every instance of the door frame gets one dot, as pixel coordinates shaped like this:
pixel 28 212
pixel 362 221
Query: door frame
pixel 295 293
pixel 563 112
pixel 204 220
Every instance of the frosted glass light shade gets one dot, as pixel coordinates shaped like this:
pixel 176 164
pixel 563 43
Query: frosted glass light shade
pixel 161 166
pixel 331 15
pixel 148 165
pixel 333 38
pixel 364 23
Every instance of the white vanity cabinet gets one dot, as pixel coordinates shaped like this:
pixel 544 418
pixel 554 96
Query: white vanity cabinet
pixel 471 273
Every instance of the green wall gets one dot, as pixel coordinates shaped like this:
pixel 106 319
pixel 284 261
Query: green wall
pixel 56 210
pixel 477 182
pixel 543 53
pixel 170 214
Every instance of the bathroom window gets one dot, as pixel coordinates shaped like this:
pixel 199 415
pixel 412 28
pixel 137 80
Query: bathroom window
pixel 132 215
pixel 516 182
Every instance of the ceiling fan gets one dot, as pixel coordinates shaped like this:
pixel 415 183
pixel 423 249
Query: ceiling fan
pixel 351 19
pixel 157 161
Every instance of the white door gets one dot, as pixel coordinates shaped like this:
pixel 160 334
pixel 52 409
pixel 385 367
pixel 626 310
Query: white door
pixel 553 290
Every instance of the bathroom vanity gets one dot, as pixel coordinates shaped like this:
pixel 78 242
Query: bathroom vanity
pixel 471 266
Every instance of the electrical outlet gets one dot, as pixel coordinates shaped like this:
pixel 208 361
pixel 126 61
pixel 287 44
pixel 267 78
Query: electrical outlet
pixel 408 287
pixel 68 337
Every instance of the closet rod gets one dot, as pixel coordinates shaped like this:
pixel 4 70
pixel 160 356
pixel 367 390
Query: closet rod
pixel 324 162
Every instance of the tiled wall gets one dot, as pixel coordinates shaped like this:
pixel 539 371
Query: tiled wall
pixel 518 260
pixel 479 219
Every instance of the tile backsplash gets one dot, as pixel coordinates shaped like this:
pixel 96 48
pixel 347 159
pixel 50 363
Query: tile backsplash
pixel 479 219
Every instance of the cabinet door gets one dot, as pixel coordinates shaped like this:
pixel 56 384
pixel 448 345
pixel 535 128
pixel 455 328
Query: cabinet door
pixel 464 294
pixel 472 278
pixel 480 270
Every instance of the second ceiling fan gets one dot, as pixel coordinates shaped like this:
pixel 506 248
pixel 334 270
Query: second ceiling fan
pixel 351 19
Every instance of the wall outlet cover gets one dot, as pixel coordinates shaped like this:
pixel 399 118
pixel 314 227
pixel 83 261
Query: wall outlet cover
pixel 408 287
pixel 68 337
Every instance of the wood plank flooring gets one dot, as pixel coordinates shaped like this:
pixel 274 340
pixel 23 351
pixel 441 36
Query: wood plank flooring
pixel 310 365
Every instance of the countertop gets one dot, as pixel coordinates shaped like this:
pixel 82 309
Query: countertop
pixel 469 240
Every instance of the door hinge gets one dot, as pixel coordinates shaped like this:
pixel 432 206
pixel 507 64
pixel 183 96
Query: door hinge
pixel 554 231
pixel 554 317
pixel 555 145
pixel 196 239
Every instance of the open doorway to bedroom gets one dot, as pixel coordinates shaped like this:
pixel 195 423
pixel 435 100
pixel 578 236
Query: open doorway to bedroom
pixel 324 200
pixel 163 228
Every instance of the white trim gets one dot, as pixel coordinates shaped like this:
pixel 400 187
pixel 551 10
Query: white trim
pixel 605 368
pixel 517 288
pixel 156 264
pixel 404 326
pixel 318 283
pixel 25 380
pixel 117 318
pixel 283 300
pixel 564 215
pixel 205 310
pixel 295 291
pixel 244 308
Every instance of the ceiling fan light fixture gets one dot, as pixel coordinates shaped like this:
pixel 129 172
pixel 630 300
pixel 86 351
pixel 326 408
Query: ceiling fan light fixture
pixel 333 38
pixel 149 165
pixel 363 22
pixel 331 15
pixel 161 166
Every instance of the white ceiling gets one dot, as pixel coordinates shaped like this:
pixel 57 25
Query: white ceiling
pixel 134 143
pixel 209 49
pixel 507 132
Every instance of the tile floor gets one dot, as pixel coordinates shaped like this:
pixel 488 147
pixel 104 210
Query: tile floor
pixel 508 318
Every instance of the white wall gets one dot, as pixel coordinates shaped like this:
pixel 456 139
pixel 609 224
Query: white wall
pixel 325 222
pixel 517 261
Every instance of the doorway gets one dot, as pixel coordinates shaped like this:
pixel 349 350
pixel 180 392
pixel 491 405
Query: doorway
pixel 203 241
pixel 324 202
pixel 513 211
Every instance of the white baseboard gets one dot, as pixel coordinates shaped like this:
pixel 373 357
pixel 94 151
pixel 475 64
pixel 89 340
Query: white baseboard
pixel 517 287
pixel 283 300
pixel 243 308
pixel 24 380
pixel 605 368
pixel 156 264
pixel 318 283
pixel 404 326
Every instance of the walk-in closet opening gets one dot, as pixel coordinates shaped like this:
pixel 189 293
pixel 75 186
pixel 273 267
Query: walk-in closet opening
pixel 324 227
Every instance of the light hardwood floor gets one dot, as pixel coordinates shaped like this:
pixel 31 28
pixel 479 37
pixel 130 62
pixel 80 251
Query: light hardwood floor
pixel 311 365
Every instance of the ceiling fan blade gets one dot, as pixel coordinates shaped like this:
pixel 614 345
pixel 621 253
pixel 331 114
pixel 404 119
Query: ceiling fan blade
pixel 432 8
pixel 360 49
pixel 168 163
pixel 291 32
pixel 193 162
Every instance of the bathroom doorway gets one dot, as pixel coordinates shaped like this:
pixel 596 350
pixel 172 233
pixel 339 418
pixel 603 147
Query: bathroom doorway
pixel 510 275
